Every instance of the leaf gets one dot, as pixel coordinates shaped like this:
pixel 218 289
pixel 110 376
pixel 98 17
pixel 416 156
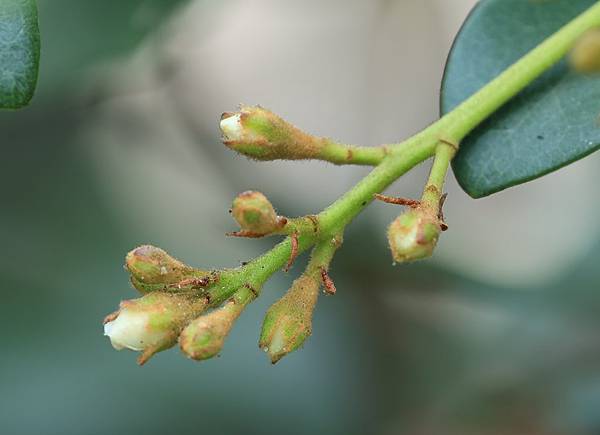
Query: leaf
pixel 19 52
pixel 553 122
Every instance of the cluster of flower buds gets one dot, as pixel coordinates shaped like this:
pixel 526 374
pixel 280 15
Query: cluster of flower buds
pixel 585 56
pixel 176 313
pixel 262 135
pixel 176 296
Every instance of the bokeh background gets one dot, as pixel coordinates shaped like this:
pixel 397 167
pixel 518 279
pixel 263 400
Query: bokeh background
pixel 497 334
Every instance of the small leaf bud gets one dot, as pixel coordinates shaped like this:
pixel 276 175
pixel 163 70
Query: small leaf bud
pixel 254 213
pixel 288 323
pixel 260 134
pixel 153 269
pixel 151 323
pixel 585 55
pixel 414 234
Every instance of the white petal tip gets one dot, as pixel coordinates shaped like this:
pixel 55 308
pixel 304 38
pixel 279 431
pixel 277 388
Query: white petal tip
pixel 231 127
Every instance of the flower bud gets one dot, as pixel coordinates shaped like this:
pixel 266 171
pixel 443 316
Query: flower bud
pixel 260 134
pixel 204 337
pixel 151 323
pixel 288 323
pixel 153 269
pixel 254 213
pixel 414 234
pixel 585 56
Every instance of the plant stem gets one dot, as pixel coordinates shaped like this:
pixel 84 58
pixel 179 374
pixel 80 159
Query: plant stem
pixel 335 217
pixel 432 193
pixel 402 157
pixel 341 154
pixel 331 221
pixel 322 255
pixel 256 272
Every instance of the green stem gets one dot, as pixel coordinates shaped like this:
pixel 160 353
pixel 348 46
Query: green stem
pixel 241 298
pixel 299 225
pixel 335 217
pixel 341 154
pixel 451 128
pixel 322 255
pixel 432 193
pixel 331 221
pixel 256 272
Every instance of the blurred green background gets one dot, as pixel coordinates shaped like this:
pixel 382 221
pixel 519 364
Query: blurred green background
pixel 495 335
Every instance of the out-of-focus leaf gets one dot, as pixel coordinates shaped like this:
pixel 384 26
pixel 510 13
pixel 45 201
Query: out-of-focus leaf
pixel 19 52
pixel 552 123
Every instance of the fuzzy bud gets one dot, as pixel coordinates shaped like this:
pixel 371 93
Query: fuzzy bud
pixel 260 134
pixel 204 337
pixel 585 56
pixel 254 213
pixel 414 234
pixel 288 323
pixel 151 323
pixel 153 269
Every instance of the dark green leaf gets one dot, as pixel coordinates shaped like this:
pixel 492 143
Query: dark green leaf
pixel 19 52
pixel 552 123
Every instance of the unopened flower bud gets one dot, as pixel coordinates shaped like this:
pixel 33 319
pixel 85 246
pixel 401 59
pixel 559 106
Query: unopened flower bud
pixel 414 234
pixel 254 213
pixel 585 56
pixel 153 269
pixel 260 134
pixel 204 337
pixel 288 323
pixel 151 323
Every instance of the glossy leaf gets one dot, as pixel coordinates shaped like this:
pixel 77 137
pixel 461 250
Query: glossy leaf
pixel 19 52
pixel 551 123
